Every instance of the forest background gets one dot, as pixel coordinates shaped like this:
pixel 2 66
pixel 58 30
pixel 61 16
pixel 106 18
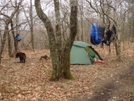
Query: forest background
pixel 26 22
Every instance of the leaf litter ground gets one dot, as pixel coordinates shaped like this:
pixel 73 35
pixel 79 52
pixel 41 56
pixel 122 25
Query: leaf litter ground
pixel 111 81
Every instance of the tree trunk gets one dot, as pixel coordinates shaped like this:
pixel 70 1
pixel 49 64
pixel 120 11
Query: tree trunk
pixel 11 52
pixel 17 31
pixel 3 41
pixel 31 24
pixel 66 64
pixel 57 65
pixel 9 46
pixel 118 47
pixel 60 54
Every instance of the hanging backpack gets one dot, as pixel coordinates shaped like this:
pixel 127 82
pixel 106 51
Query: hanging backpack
pixel 110 36
pixel 18 37
pixel 96 34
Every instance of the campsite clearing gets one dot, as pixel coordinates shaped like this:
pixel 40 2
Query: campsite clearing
pixel 110 81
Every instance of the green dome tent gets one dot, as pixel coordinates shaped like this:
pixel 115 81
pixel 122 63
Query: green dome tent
pixel 82 53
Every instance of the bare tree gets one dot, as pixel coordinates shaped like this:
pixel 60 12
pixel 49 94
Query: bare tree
pixel 31 24
pixel 60 53
pixel 14 33
pixel 6 29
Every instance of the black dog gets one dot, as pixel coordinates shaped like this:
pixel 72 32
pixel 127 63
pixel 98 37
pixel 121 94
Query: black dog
pixel 22 57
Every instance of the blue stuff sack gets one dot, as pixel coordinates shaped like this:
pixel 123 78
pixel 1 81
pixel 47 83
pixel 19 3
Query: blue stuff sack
pixel 96 34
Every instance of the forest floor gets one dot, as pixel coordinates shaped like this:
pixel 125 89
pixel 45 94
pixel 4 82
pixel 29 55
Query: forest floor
pixel 109 81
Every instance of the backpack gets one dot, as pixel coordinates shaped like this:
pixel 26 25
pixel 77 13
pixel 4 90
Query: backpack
pixel 96 34
pixel 18 37
pixel 110 36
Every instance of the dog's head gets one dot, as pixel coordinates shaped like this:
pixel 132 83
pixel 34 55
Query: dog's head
pixel 17 55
